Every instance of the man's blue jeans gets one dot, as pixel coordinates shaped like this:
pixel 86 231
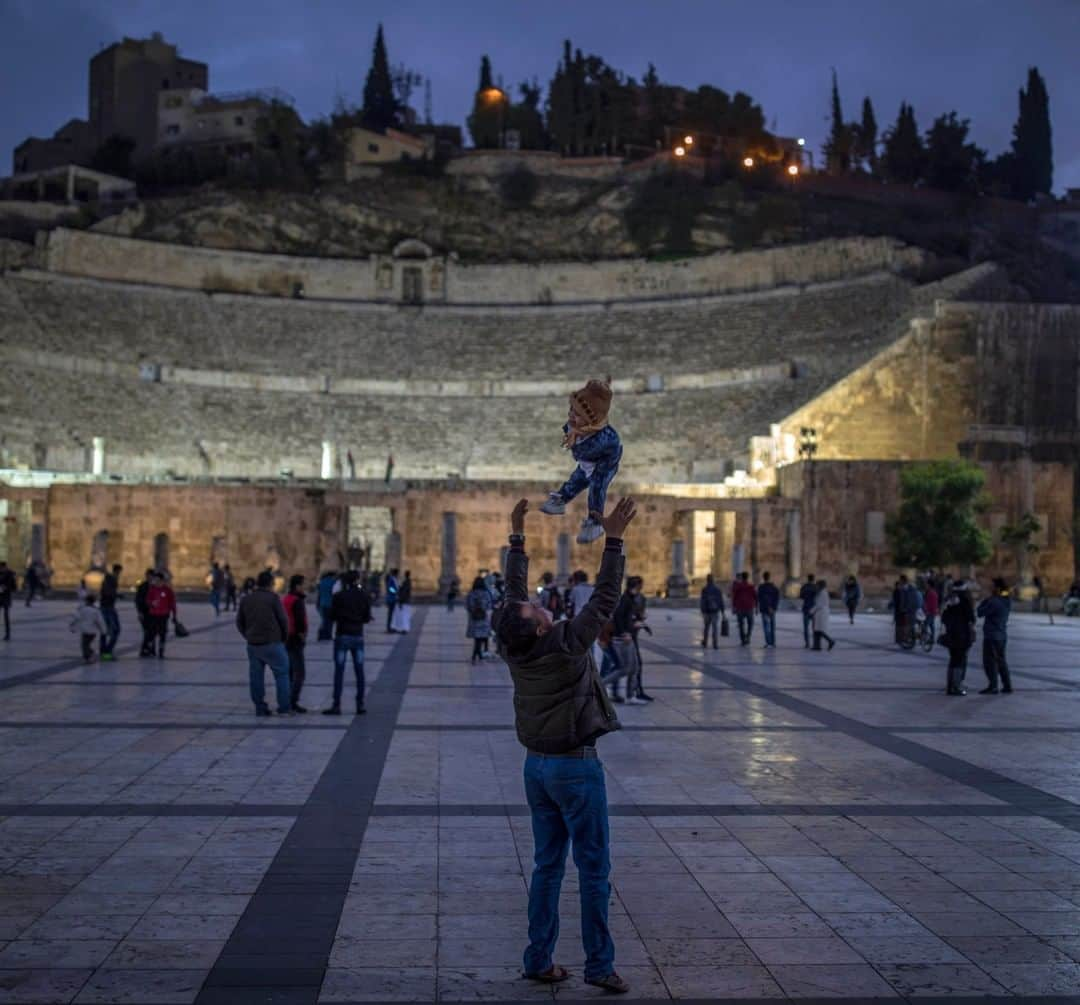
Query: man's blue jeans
pixel 568 800
pixel 746 625
pixel 276 657
pixel 768 626
pixel 343 646
pixel 807 626
pixel 112 623
pixel 215 601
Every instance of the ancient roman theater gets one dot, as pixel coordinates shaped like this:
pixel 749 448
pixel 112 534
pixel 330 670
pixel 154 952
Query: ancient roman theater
pixel 168 404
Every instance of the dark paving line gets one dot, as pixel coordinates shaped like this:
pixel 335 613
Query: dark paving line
pixel 504 727
pixel 33 676
pixel 150 809
pixel 990 783
pixel 719 810
pixel 280 947
pixel 282 723
pixel 893 999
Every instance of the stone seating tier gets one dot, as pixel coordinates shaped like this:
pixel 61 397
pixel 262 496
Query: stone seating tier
pixel 151 429
pixel 133 324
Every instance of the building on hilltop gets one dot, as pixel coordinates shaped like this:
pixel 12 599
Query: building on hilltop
pixel 124 79
pixel 229 123
pixel 365 147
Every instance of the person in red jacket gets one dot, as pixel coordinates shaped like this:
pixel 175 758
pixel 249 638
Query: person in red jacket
pixel 294 603
pixel 160 605
pixel 744 603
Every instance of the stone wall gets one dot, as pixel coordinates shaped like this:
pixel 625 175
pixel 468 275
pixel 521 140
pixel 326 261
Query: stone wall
pixel 303 529
pixel 844 504
pixel 102 256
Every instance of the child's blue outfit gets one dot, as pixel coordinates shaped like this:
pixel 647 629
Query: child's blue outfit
pixel 598 459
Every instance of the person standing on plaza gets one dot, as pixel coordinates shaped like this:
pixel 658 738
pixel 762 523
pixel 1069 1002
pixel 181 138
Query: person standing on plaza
pixel 402 620
pixel 641 624
pixel 8 586
pixel 261 620
pixel 768 597
pixel 561 709
pixel 622 641
pixel 142 588
pixel 995 610
pixel 852 597
pixel 931 605
pixel 808 597
pixel 295 604
pixel 89 624
pixel 110 589
pixel 580 591
pixel 324 598
pixel 477 605
pixel 349 612
pixel 743 603
pixel 551 597
pixel 958 636
pixel 820 615
pixel 32 582
pixel 391 598
pixel 453 591
pixel 230 589
pixel 217 586
pixel 160 605
pixel 712 610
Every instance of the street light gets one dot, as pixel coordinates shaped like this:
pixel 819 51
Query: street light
pixel 748 162
pixel 680 151
pixel 793 170
pixel 688 140
pixel 802 142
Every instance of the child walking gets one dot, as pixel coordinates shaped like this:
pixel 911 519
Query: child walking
pixel 597 449
pixel 90 624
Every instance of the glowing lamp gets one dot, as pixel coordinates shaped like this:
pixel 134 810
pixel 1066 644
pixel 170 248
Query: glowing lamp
pixel 802 142
pixel 680 151
pixel 793 170
pixel 748 162
pixel 688 140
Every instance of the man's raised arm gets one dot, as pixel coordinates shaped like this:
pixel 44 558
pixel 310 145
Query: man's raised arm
pixel 517 562
pixel 587 623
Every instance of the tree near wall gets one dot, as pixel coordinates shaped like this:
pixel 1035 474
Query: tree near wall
pixel 379 111
pixel 1032 145
pixel 936 524
pixel 840 144
pixel 866 137
pixel 903 156
pixel 1019 539
pixel 952 163
pixel 488 118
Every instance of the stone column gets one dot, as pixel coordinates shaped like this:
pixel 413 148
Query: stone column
pixel 37 543
pixel 562 560
pixel 793 553
pixel 448 567
pixel 678 586
pixel 1027 494
pixel 393 551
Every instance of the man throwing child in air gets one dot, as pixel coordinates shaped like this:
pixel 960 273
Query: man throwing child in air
pixel 561 707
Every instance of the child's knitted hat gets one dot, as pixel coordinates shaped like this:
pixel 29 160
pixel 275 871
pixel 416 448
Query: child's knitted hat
pixel 594 402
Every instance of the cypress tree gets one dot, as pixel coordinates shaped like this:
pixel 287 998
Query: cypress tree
pixel 903 156
pixel 485 75
pixel 380 106
pixel 866 137
pixel 1032 143
pixel 838 145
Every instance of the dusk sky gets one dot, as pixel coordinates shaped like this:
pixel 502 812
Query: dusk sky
pixel 940 55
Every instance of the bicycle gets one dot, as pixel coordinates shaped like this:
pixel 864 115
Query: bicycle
pixel 919 632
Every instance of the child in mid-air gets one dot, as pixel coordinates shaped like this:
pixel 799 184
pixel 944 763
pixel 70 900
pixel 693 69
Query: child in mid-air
pixel 597 449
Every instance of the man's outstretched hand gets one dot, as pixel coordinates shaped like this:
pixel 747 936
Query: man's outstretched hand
pixel 517 517
pixel 616 521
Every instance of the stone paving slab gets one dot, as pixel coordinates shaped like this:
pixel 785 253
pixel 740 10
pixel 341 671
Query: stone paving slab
pixel 784 824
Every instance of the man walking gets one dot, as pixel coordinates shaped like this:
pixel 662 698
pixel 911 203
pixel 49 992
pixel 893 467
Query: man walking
pixel 350 610
pixel 808 597
pixel 768 597
pixel 160 605
pixel 712 610
pixel 142 590
pixel 743 603
pixel 622 641
pixel 295 605
pixel 8 585
pixel 217 587
pixel 391 599
pixel 561 708
pixel 995 610
pixel 230 589
pixel 261 620
pixel 110 588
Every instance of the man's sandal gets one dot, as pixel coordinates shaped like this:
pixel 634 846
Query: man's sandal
pixel 553 975
pixel 613 982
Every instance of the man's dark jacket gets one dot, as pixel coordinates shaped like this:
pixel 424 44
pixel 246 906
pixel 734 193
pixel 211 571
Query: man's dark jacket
pixel 995 614
pixel 712 599
pixel 350 610
pixel 261 618
pixel 808 596
pixel 110 587
pixel 559 702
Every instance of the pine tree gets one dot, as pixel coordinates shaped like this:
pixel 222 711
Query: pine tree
pixel 866 138
pixel 903 156
pixel 488 118
pixel 952 163
pixel 1032 142
pixel 838 146
pixel 486 83
pixel 380 107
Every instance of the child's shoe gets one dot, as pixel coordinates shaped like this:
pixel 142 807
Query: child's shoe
pixel 554 505
pixel 590 530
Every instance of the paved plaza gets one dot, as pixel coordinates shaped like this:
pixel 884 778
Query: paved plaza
pixel 784 823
